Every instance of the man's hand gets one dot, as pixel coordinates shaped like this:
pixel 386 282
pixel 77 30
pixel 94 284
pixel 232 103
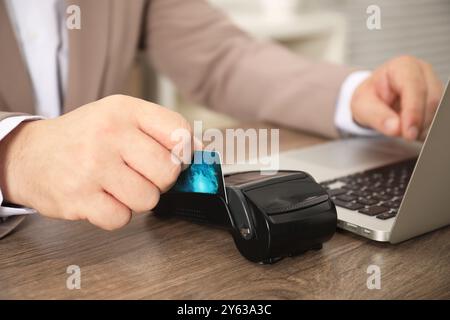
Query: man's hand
pixel 99 162
pixel 400 98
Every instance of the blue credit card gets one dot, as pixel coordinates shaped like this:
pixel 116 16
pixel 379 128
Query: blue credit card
pixel 204 175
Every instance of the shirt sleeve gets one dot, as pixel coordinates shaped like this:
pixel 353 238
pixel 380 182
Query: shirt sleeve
pixel 343 116
pixel 6 126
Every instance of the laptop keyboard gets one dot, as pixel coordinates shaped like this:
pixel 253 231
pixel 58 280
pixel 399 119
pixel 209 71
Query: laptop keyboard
pixel 376 192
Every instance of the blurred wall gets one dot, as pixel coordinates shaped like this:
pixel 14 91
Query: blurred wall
pixel 416 27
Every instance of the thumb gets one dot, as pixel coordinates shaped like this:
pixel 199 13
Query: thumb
pixel 378 115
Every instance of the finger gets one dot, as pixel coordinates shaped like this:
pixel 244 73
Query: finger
pixel 162 124
pixel 198 144
pixel 150 159
pixel 384 90
pixel 435 91
pixel 407 79
pixel 379 116
pixel 106 212
pixel 130 188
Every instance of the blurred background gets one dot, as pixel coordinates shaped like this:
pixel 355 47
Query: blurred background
pixel 332 30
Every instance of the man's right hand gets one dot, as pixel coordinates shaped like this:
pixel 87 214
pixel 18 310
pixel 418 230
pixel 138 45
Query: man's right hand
pixel 99 162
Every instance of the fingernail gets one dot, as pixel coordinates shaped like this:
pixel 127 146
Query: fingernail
pixel 391 125
pixel 412 133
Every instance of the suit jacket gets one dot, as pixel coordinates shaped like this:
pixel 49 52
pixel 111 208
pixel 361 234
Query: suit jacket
pixel 210 60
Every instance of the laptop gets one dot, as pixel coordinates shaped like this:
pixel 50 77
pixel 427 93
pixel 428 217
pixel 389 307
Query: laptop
pixel 385 189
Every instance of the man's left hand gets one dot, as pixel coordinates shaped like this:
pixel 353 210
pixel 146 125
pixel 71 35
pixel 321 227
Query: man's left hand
pixel 400 98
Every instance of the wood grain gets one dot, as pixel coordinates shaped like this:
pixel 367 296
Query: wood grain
pixel 171 259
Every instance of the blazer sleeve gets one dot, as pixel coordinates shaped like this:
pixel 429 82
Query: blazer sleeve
pixel 214 63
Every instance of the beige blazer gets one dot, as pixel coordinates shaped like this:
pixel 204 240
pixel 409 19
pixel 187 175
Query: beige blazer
pixel 210 60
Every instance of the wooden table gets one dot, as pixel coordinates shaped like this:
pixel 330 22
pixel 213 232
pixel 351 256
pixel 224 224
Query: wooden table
pixel 151 258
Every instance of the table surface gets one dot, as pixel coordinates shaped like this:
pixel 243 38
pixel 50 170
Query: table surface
pixel 172 259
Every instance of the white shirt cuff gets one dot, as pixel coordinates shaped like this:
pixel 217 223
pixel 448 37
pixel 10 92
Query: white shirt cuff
pixel 6 126
pixel 343 118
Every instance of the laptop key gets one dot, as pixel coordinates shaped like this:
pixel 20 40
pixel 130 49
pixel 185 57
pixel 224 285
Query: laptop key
pixel 346 198
pixel 385 215
pixel 348 205
pixel 382 197
pixel 361 193
pixel 395 193
pixel 376 189
pixel 392 204
pixel 394 211
pixel 367 202
pixel 336 192
pixel 374 210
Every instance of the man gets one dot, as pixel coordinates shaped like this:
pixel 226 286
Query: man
pixel 107 157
